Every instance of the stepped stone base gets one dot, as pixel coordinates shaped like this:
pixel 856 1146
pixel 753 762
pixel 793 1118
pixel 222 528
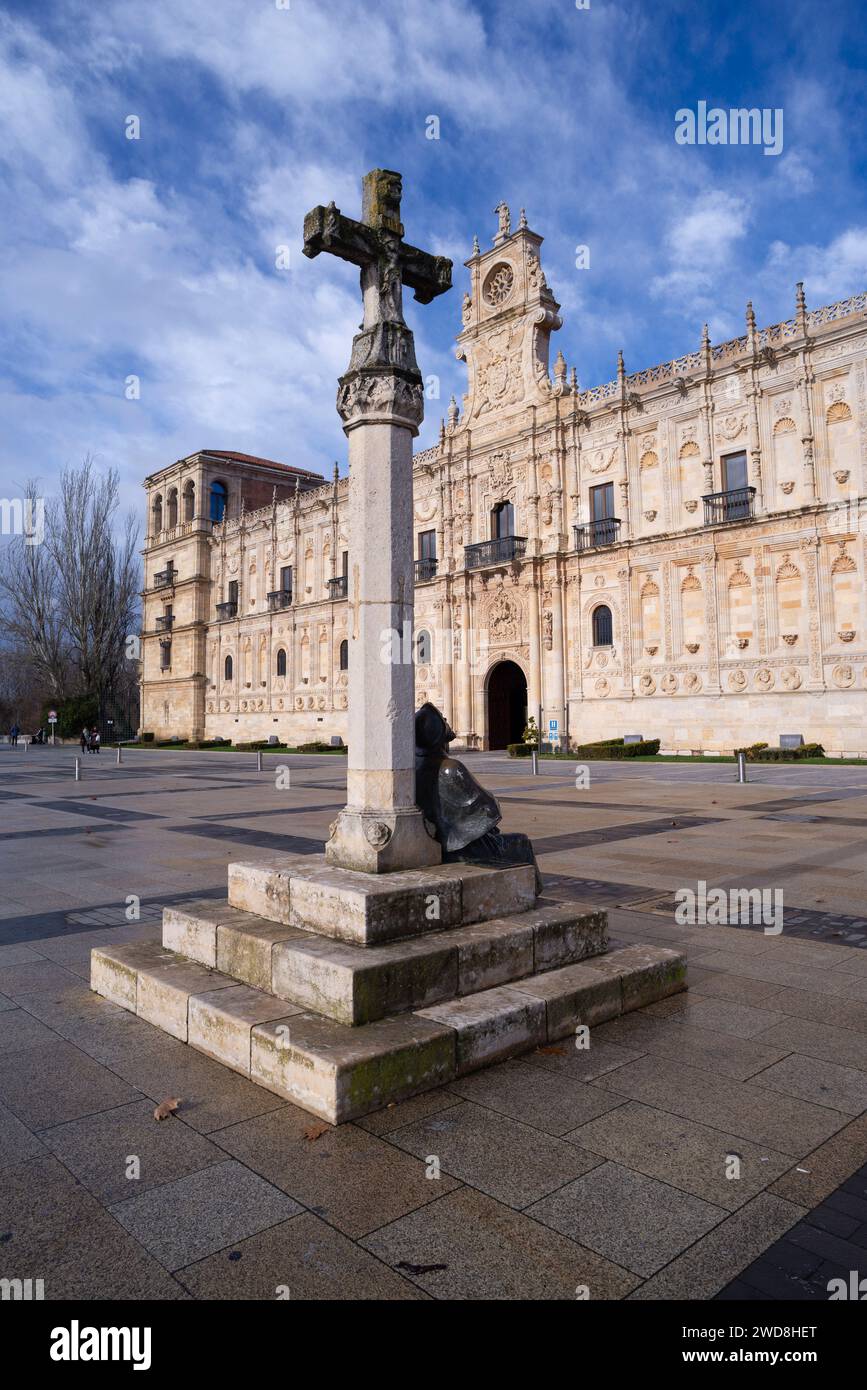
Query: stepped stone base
pixel 344 992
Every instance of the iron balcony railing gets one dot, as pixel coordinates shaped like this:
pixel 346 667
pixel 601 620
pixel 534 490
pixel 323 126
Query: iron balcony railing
pixel 279 598
pixel 164 622
pixel 337 587
pixel 498 552
pixel 605 531
pixel 424 570
pixel 229 609
pixel 163 578
pixel 735 505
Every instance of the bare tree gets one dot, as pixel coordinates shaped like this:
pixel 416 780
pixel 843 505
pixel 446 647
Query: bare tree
pixel 33 622
pixel 70 602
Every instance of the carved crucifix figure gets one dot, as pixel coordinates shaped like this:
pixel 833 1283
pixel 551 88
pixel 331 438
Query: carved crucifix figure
pixel 381 403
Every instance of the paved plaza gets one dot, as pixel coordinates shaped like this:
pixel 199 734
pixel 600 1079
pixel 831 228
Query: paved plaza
pixel 709 1145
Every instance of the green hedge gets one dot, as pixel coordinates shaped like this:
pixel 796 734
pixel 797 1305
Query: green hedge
pixel 521 750
pixel 617 749
pixel 785 755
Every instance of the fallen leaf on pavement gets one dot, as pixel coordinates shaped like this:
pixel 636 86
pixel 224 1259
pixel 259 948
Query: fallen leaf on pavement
pixel 165 1108
pixel 315 1131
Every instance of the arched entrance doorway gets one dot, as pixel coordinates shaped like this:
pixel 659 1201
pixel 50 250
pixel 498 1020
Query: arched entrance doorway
pixel 507 704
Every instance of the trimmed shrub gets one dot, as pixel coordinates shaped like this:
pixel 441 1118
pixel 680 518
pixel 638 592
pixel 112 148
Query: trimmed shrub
pixel 648 748
pixel 520 750
pixel 785 755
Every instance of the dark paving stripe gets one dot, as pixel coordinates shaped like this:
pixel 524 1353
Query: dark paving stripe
pixel 804 819
pixel 260 839
pixel 579 804
pixel 15 931
pixel 839 928
pixel 792 803
pixel 829 1243
pixel 569 888
pixel 578 839
pixel 88 808
pixel 59 830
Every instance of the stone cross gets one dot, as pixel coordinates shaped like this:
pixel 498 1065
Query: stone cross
pixel 381 403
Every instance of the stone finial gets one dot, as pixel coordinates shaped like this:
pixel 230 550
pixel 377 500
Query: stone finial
pixel 453 412
pixel 523 220
pixel 504 223
pixel 336 470
pixel 800 303
pixel 573 380
pixel 621 368
pixel 751 317
pixel 705 338
pixel 442 431
pixel 476 248
pixel 560 369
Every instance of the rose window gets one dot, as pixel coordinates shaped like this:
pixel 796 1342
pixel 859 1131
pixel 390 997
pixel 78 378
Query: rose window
pixel 499 284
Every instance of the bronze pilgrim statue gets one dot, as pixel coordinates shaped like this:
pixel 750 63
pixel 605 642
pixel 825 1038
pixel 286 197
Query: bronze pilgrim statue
pixel 466 816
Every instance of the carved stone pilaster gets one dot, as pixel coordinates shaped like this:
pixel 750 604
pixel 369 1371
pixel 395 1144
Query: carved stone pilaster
pixel 810 552
pixel 626 634
pixel 761 573
pixel 711 618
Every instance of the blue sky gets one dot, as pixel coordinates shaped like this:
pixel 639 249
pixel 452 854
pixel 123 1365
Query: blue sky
pixel 156 257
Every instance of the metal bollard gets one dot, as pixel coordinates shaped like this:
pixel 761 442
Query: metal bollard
pixel 742 766
pixel 119 759
pixel 534 758
pixel 259 760
pixel 78 769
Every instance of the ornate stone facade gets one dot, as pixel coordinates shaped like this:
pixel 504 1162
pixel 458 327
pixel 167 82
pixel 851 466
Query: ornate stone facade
pixel 712 596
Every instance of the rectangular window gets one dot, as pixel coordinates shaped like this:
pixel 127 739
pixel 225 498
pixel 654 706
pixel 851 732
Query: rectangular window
pixel 734 472
pixel 233 591
pixel 345 564
pixel 286 578
pixel 602 502
pixel 427 545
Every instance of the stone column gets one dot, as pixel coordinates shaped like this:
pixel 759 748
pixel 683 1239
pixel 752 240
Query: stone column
pixel 534 685
pixel 381 828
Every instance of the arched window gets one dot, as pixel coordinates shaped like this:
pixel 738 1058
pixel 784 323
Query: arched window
pixel 172 518
pixel 158 513
pixel 603 629
pixel 502 521
pixel 218 501
pixel 227 668
pixel 189 500
pixel 344 655
pixel 423 648
pixel 281 662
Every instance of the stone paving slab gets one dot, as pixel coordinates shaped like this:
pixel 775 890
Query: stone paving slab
pixel 369 1180
pixel 631 1219
pixel 355 1181
pixel 467 1246
pixel 97 1150
pixel 191 1217
pixel 300 1259
pixel 693 1157
pixel 534 1096
pixel 508 1160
